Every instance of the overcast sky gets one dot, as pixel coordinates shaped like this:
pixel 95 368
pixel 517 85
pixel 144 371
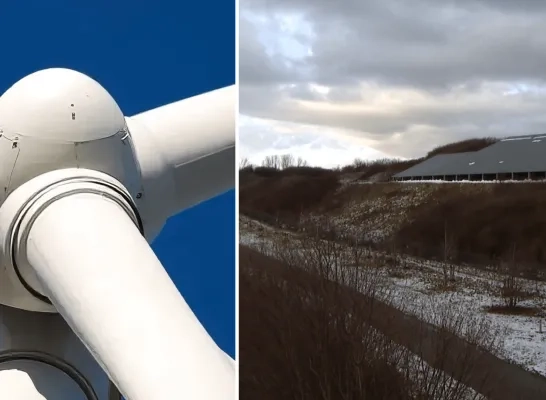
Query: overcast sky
pixel 333 80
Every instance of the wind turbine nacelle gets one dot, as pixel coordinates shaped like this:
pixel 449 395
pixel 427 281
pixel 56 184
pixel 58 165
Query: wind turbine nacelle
pixel 58 124
pixel 50 121
pixel 58 118
pixel 83 192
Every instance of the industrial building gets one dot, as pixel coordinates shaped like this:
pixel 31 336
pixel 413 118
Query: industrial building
pixel 512 158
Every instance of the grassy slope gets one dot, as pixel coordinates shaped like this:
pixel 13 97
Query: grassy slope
pixel 483 223
pixel 480 223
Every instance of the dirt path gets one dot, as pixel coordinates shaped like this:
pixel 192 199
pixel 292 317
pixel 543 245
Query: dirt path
pixel 484 372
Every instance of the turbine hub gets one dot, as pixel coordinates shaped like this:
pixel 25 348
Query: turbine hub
pixel 58 118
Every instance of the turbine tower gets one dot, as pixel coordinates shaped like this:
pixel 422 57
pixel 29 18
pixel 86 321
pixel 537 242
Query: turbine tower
pixel 85 305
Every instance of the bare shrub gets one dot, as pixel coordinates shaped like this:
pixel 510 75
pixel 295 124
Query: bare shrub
pixel 448 266
pixel 300 162
pixel 511 291
pixel 470 333
pixel 313 328
pixel 463 146
pixel 286 195
pixel 298 342
pixel 369 168
pixel 244 163
pixel 511 288
pixel 484 220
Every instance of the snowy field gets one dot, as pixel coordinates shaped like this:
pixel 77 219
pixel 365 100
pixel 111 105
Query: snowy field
pixel 416 286
pixel 263 238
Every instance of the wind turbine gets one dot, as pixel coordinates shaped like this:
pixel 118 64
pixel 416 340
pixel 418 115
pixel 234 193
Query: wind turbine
pixel 83 191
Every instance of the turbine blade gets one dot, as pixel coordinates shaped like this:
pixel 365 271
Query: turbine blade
pixel 195 138
pixel 108 284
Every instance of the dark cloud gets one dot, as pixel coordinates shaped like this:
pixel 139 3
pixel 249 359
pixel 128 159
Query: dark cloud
pixel 435 70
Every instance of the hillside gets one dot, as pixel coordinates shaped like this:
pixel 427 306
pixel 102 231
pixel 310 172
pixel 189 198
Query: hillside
pixel 382 170
pixel 493 233
pixel 482 223
pixel 479 223
pixel 474 247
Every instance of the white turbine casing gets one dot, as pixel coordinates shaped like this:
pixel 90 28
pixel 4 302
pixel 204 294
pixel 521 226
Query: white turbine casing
pixel 186 153
pixel 77 181
pixel 59 118
pixel 12 214
pixel 81 241
pixel 17 385
pixel 55 119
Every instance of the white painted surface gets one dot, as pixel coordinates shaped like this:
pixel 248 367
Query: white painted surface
pixel 188 146
pixel 172 157
pixel 17 385
pixel 120 301
pixel 58 118
pixel 23 330
pixel 24 200
pixel 88 256
pixel 158 181
pixel 41 105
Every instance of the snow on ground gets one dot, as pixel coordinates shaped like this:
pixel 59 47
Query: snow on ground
pixel 264 238
pixel 384 213
pixel 380 214
pixel 523 344
pixel 417 287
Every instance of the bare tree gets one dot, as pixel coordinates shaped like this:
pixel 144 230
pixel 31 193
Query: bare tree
pixel 511 289
pixel 272 162
pixel 283 161
pixel 395 262
pixel 319 319
pixel 301 162
pixel 287 161
pixel 449 253
pixel 244 163
pixel 358 162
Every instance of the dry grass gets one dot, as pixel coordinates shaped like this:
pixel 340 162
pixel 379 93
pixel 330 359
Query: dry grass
pixel 311 328
pixel 386 167
pixel 463 146
pixel 284 196
pixel 297 343
pixel 484 221
pixel 390 167
pixel 516 310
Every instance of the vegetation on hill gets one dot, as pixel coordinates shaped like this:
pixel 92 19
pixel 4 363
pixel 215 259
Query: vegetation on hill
pixel 484 223
pixel 275 195
pixel 462 146
pixel 312 329
pixel 385 168
pixel 485 226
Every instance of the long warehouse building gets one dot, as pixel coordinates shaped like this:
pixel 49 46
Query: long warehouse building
pixel 517 158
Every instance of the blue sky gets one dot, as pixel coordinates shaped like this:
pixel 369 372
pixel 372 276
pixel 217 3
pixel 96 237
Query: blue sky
pixel 146 54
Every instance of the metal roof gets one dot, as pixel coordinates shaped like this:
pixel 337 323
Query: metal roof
pixel 441 164
pixel 512 154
